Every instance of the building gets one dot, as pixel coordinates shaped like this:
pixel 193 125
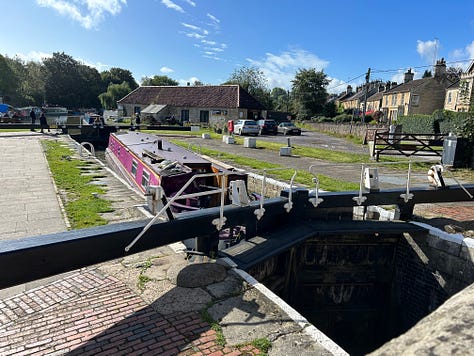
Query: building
pixel 459 97
pixel 191 104
pixel 420 96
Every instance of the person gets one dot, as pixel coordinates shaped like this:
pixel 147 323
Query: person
pixel 138 120
pixel 43 123
pixel 33 119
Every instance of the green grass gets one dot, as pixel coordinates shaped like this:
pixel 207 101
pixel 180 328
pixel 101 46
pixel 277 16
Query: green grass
pixel 214 325
pixel 83 207
pixel 278 172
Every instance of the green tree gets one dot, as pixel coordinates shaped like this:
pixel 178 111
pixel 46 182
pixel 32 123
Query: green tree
pixel 118 76
pixel 252 80
pixel 280 99
pixel 114 92
pixel 9 81
pixel 159 80
pixel 427 74
pixel 309 92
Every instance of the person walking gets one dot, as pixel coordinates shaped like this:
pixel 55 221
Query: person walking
pixel 33 119
pixel 43 123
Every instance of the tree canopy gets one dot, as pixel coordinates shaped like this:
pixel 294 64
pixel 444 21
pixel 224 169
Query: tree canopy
pixel 252 80
pixel 159 80
pixel 309 92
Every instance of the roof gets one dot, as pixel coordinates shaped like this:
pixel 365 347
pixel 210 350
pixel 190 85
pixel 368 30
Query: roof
pixel 153 109
pixel 212 96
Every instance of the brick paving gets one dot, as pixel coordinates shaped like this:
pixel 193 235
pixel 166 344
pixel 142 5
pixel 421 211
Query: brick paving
pixel 89 313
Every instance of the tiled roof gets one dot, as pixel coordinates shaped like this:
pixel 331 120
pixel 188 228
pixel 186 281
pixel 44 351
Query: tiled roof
pixel 404 87
pixel 216 96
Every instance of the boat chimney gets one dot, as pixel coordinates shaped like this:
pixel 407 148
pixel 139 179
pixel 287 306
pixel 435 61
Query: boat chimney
pixel 160 145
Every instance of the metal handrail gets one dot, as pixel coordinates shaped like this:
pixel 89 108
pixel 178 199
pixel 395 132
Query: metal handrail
pixel 179 195
pixel 289 205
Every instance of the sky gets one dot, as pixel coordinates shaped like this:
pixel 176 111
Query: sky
pixel 208 40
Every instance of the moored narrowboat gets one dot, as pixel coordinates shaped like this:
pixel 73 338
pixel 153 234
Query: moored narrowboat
pixel 145 160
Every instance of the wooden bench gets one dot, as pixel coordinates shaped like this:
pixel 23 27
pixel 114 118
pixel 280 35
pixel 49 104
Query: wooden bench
pixel 407 144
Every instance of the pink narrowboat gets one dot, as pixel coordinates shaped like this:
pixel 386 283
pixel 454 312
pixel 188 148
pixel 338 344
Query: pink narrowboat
pixel 149 160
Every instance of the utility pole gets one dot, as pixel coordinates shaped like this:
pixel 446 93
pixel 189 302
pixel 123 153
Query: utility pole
pixel 367 79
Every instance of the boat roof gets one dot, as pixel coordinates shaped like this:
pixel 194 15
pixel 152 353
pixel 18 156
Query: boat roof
pixel 139 142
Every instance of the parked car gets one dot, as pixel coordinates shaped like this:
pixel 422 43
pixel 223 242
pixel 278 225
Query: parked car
pixel 246 127
pixel 289 128
pixel 267 127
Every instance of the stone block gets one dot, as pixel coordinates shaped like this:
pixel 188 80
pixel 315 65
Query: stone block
pixel 250 142
pixel 285 151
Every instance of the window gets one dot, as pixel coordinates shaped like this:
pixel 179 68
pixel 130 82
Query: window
pixel 386 100
pixel 145 179
pixel 184 115
pixel 137 110
pixel 204 116
pixel 403 100
pixel 394 99
pixel 415 100
pixel 134 168
pixel 449 97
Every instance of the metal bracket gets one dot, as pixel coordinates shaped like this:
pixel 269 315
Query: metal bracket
pixel 360 198
pixel 407 196
pixel 316 200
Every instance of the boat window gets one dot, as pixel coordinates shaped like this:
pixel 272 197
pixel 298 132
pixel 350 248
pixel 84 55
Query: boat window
pixel 145 179
pixel 134 168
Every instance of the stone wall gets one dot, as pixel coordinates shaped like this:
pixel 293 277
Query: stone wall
pixel 429 270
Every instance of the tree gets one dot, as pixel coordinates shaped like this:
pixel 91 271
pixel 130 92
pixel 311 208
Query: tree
pixel 427 74
pixel 114 93
pixel 71 84
pixel 254 82
pixel 118 76
pixel 454 73
pixel 8 81
pixel 280 99
pixel 309 92
pixel 159 80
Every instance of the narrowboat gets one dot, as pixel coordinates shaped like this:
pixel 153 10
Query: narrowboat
pixel 145 160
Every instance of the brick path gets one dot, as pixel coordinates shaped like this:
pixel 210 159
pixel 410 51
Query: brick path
pixel 88 313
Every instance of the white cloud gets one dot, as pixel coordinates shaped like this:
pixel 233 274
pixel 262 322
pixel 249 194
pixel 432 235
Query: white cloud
pixel 166 70
pixel 171 5
pixel 191 81
pixel 213 18
pixel 210 43
pixel 428 50
pixel 33 56
pixel 195 35
pixel 89 13
pixel 192 3
pixel 465 54
pixel 195 28
pixel 280 69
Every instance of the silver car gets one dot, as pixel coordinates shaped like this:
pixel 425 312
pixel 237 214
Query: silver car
pixel 246 127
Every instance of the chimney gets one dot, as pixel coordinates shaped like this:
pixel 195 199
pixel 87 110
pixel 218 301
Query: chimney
pixel 381 88
pixel 388 86
pixel 440 68
pixel 408 76
pixel 349 89
pixel 160 145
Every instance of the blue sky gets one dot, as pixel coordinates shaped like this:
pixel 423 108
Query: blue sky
pixel 207 40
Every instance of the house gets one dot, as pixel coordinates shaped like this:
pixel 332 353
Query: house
pixel 460 96
pixel 356 101
pixel 420 96
pixel 191 104
pixel 451 101
pixel 374 102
